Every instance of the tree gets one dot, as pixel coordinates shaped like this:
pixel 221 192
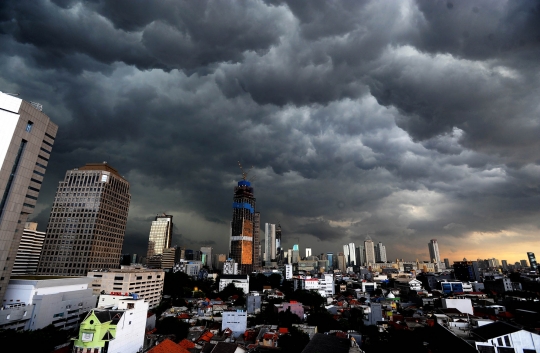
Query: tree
pixel 173 326
pixel 293 342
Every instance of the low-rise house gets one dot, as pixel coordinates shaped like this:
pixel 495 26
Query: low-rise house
pixel 117 327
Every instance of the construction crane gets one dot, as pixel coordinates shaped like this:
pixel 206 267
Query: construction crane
pixel 244 174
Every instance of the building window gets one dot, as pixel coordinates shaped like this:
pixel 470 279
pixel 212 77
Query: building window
pixel 29 126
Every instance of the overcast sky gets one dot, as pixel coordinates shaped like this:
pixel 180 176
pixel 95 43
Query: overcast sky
pixel 404 120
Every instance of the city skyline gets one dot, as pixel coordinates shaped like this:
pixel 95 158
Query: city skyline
pixel 359 118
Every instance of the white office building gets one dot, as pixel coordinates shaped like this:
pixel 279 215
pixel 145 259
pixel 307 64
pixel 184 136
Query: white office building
pixel 33 304
pixel 236 321
pixel 308 252
pixel 239 281
pixel 26 139
pixel 27 259
pixel 288 271
pixel 147 283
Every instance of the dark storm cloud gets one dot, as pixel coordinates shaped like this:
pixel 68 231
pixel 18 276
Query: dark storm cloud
pixel 403 120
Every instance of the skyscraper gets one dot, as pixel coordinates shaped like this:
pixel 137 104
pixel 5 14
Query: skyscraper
pixel 447 263
pixel 160 237
pixel 207 252
pixel 295 254
pixel 330 257
pixel 360 255
pixel 257 248
pixel 532 261
pixel 434 251
pixel 88 222
pixel 242 226
pixel 380 252
pixel 279 251
pixel 270 243
pixel 369 250
pixel 308 252
pixel 29 251
pixel 26 139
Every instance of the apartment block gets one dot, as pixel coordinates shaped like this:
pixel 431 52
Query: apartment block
pixel 146 283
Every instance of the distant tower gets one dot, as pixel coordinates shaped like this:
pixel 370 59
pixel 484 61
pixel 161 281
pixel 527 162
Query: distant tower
pixel 369 250
pixel 279 251
pixel 160 237
pixel 380 252
pixel 532 261
pixel 308 252
pixel 270 243
pixel 434 251
pixel 257 251
pixel 241 242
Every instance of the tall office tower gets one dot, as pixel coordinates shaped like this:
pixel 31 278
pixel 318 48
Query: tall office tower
pixel 308 252
pixel 493 263
pixel 447 263
pixel 257 258
pixel 434 251
pixel 360 255
pixel 352 254
pixel 523 263
pixel 295 253
pixel 532 261
pixel 289 256
pixel 380 252
pixel 279 251
pixel 369 250
pixel 270 243
pixel 160 235
pixel 347 254
pixel 341 262
pixel 207 252
pixel 504 265
pixel 241 244
pixel 26 140
pixel 88 222
pixel 330 257
pixel 29 251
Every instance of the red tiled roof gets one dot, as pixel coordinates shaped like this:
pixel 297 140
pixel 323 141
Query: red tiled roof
pixel 186 344
pixel 168 346
pixel 207 336
pixel 283 330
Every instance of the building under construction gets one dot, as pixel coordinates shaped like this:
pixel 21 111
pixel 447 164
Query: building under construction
pixel 242 227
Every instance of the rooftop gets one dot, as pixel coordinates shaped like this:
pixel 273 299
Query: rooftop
pixel 496 329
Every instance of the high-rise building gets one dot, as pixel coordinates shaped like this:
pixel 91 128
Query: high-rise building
pixel 308 252
pixel 88 222
pixel 349 251
pixel 279 250
pixel 523 263
pixel 504 265
pixel 447 263
pixel 160 235
pixel 26 139
pixel 295 254
pixel 27 259
pixel 380 252
pixel 241 245
pixel 330 257
pixel 369 250
pixel 207 252
pixel 434 251
pixel 257 248
pixel 360 255
pixel 270 243
pixel 532 261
